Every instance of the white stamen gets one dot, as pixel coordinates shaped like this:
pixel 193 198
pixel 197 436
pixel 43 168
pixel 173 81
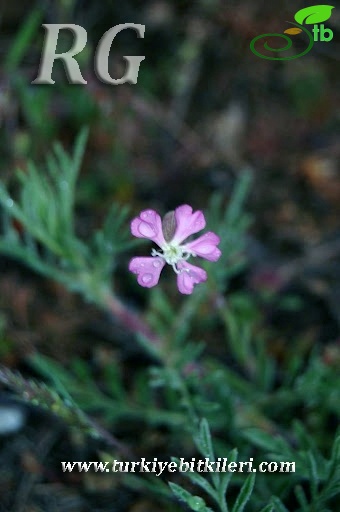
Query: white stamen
pixel 173 254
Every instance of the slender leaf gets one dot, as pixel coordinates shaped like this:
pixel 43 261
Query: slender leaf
pixel 244 494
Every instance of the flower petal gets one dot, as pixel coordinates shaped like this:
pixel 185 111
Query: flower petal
pixel 148 270
pixel 187 222
pixel 148 225
pixel 189 276
pixel 205 246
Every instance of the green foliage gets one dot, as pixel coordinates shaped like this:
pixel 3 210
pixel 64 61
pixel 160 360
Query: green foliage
pixel 320 384
pixel 195 503
pixel 114 404
pixel 40 395
pixel 49 243
pixel 245 395
pixel 23 39
pixel 218 486
pixel 231 224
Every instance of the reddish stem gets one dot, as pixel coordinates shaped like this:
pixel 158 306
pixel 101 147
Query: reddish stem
pixel 131 320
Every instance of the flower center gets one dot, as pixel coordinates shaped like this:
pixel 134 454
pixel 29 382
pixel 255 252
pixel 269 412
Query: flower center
pixel 172 254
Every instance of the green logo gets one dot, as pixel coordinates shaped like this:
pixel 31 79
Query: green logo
pixel 310 16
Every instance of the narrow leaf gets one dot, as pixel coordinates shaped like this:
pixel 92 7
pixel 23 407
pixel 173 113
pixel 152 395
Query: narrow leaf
pixel 279 506
pixel 198 479
pixel 23 40
pixel 203 440
pixel 225 478
pixel 265 441
pixel 244 494
pixel 196 503
pixel 268 508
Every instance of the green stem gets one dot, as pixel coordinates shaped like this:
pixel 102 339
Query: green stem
pixel 136 324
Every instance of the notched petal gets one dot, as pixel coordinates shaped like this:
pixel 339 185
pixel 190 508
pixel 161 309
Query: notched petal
pixel 148 225
pixel 205 246
pixel 189 276
pixel 188 222
pixel 147 270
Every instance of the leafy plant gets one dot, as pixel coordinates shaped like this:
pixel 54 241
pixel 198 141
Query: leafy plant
pixel 218 486
pixel 238 404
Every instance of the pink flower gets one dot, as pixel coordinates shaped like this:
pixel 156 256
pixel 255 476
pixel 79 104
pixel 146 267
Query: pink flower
pixel 176 227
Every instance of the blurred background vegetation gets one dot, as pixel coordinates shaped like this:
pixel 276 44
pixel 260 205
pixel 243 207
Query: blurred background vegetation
pixel 204 109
